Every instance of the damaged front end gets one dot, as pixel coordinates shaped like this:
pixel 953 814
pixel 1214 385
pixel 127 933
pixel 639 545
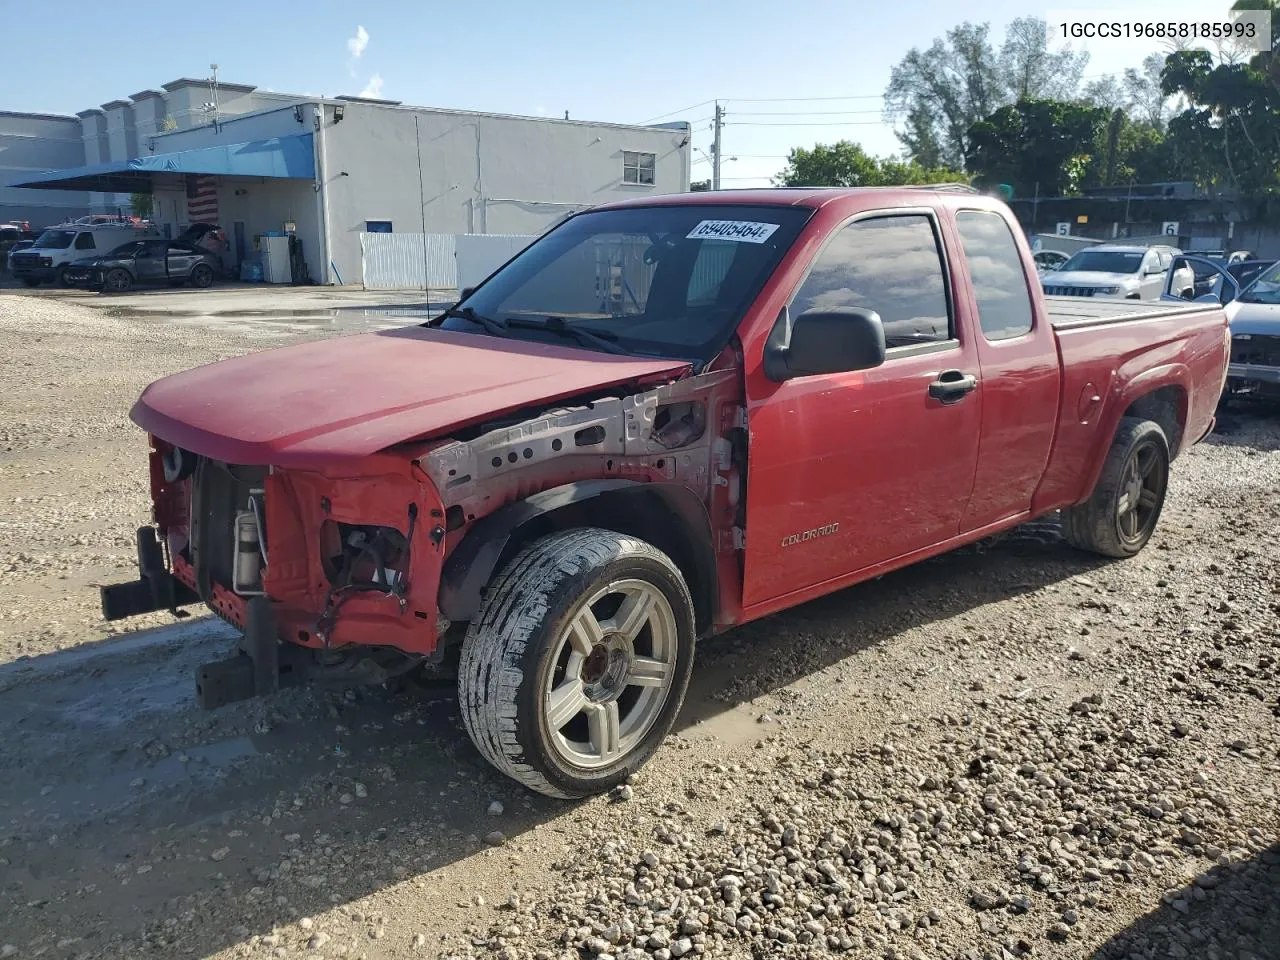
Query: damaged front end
pixel 356 573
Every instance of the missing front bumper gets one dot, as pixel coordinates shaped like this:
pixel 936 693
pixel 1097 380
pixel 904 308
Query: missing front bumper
pixel 155 589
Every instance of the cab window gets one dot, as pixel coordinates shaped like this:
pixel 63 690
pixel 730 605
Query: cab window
pixel 85 241
pixel 892 265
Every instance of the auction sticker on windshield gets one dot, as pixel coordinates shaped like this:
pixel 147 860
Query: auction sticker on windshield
pixel 743 231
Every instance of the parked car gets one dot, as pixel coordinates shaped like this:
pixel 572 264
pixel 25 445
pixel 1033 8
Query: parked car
pixel 1115 270
pixel 17 246
pixel 1245 271
pixel 144 262
pixel 1255 338
pixel 58 247
pixel 1235 256
pixel 12 234
pixel 1047 260
pixel 564 484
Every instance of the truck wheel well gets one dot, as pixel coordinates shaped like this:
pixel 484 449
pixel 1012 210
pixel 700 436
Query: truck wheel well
pixel 1167 406
pixel 668 516
pixel 660 515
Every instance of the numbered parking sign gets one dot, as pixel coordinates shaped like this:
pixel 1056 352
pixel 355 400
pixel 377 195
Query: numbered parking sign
pixel 1170 228
pixel 1064 229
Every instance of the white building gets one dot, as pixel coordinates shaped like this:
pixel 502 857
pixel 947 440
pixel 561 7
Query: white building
pixel 327 169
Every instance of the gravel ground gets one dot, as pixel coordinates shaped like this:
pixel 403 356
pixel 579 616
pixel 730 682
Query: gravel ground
pixel 1014 750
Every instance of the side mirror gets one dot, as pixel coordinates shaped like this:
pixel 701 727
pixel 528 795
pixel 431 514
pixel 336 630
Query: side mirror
pixel 826 341
pixel 465 292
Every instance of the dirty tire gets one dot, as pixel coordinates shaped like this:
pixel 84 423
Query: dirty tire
pixel 510 654
pixel 1096 524
pixel 201 275
pixel 117 281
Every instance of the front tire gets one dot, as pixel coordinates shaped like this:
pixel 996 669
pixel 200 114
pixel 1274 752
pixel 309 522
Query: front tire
pixel 1121 515
pixel 577 662
pixel 201 275
pixel 117 280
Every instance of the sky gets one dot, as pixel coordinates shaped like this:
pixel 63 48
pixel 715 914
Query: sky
pixel 788 74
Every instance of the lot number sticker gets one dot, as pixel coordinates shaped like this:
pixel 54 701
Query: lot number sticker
pixel 743 231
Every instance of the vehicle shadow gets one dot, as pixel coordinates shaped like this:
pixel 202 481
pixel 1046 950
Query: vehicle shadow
pixel 127 807
pixel 1228 911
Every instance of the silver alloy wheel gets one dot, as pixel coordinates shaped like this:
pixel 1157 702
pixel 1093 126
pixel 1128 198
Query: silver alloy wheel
pixel 610 673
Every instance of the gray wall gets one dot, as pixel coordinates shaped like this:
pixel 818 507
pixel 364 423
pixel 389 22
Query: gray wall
pixel 31 144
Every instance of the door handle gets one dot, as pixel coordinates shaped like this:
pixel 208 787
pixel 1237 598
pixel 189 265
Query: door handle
pixel 952 386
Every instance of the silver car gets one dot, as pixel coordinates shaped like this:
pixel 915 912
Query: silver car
pixel 1119 272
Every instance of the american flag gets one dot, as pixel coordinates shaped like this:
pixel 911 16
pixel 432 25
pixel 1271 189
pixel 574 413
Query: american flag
pixel 202 198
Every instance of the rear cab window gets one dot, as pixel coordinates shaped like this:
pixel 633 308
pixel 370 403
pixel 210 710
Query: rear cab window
pixel 891 264
pixel 996 274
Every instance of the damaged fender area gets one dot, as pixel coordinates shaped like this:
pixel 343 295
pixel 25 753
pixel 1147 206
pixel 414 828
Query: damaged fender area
pixel 667 465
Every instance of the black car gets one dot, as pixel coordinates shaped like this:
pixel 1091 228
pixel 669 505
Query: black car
pixel 143 262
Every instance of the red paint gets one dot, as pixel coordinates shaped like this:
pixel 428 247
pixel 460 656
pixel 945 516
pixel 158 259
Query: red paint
pixel 861 473
pixel 349 397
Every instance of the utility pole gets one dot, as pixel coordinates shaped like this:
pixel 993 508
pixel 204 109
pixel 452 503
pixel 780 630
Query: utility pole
pixel 715 149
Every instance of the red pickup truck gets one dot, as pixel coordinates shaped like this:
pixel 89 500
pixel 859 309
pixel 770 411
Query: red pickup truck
pixel 661 419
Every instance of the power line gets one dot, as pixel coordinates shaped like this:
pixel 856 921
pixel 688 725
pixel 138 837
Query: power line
pixel 681 110
pixel 861 96
pixel 805 123
pixel 802 113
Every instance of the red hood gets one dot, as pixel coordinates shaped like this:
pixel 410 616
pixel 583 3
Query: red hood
pixel 349 397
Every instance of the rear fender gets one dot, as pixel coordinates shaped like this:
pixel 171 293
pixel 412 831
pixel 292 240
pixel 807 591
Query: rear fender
pixel 1132 391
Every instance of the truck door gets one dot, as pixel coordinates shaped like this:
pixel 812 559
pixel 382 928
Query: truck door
pixel 849 470
pixel 1021 377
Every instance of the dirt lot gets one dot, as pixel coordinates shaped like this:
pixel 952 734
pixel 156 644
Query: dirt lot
pixel 1015 750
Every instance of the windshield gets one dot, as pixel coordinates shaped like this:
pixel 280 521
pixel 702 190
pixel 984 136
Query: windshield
pixel 660 281
pixel 1104 261
pixel 1265 289
pixel 56 239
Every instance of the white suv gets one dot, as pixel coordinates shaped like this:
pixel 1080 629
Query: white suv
pixel 1117 271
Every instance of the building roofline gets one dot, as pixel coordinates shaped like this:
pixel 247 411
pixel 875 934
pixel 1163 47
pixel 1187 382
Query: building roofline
pixel 173 85
pixel 397 105
pixel 91 112
pixel 37 116
pixel 112 104
pixel 146 95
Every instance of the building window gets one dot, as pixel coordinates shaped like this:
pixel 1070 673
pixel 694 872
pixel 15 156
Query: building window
pixel 377 226
pixel 638 167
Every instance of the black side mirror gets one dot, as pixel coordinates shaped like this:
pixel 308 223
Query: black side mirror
pixel 826 341
pixel 465 292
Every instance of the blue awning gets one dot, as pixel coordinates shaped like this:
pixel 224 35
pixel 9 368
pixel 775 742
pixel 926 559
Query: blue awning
pixel 291 158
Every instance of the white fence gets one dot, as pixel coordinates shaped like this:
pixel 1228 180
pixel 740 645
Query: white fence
pixel 434 261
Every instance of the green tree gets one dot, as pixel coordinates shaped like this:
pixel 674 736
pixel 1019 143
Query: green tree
pixel 141 204
pixel 1031 70
pixel 1230 131
pixel 942 91
pixel 846 164
pixel 1044 145
pixel 956 81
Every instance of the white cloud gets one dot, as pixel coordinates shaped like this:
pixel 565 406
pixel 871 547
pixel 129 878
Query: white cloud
pixel 356 45
pixel 373 88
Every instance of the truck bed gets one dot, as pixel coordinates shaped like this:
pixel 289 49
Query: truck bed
pixel 1087 311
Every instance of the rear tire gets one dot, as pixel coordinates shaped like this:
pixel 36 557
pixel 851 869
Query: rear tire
pixel 577 662
pixel 1119 517
pixel 201 275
